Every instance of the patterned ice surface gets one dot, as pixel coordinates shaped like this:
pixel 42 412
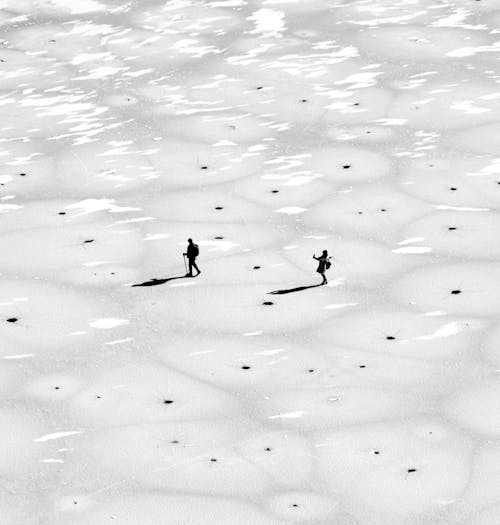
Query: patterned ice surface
pixel 267 130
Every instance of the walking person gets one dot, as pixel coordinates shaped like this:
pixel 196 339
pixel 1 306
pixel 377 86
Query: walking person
pixel 324 264
pixel 192 252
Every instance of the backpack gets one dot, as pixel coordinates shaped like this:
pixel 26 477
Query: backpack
pixel 328 264
pixel 196 250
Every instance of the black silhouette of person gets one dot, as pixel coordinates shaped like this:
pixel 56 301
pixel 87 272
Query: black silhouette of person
pixel 324 264
pixel 192 252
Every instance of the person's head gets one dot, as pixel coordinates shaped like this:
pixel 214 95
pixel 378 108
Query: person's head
pixel 190 241
pixel 325 252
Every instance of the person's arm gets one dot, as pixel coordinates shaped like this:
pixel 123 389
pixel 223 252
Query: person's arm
pixel 314 257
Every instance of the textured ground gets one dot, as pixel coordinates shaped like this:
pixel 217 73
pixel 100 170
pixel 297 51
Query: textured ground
pixel 267 130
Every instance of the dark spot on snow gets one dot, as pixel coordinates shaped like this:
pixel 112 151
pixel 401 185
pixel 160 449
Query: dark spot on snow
pixel 219 237
pixel 268 303
pixel 453 189
pixel 277 191
pixel 294 505
pixel 390 338
pixel 12 320
pixel 362 366
pixel 256 267
pixel 175 442
pixel 204 167
pixel 267 449
pixel 376 452
pixel 311 370
pixel 360 213
pixel 62 213
pixel 260 87
pixel 213 460
pixel 167 401
pixel 451 228
pixel 346 166
pixel 456 292
pixel 383 209
pixel 245 367
pixel 88 241
pixel 98 397
pixel 219 207
pixel 57 388
pixel 22 174
pixel 304 100
pixel 412 470
pixel 356 104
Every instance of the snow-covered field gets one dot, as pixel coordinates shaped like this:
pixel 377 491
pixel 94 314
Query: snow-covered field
pixel 267 130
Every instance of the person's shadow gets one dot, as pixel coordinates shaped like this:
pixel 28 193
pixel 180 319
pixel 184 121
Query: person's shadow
pixel 292 290
pixel 157 282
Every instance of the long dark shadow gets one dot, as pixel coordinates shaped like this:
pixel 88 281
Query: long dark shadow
pixel 292 290
pixel 156 282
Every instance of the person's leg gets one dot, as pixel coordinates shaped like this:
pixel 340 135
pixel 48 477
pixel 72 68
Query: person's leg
pixel 190 273
pixel 195 266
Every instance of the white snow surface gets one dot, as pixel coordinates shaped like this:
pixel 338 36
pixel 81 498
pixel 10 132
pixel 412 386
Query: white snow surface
pixel 267 131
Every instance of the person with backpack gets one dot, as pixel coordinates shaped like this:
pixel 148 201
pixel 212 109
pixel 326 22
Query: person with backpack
pixel 191 253
pixel 324 264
